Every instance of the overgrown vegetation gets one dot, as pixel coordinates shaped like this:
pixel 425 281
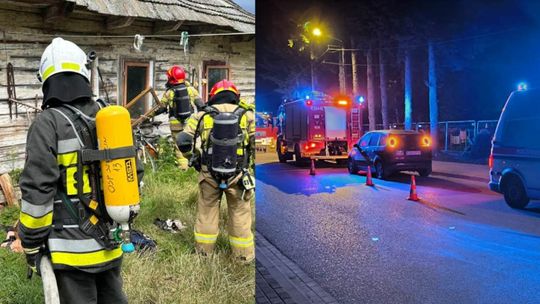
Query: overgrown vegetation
pixel 15 175
pixel 171 274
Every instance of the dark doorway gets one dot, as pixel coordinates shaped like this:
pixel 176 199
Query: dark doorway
pixel 136 79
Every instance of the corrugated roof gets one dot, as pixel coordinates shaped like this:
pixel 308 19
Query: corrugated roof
pixel 218 12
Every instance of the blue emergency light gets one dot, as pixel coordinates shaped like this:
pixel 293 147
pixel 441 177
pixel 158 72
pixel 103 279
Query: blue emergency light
pixel 360 99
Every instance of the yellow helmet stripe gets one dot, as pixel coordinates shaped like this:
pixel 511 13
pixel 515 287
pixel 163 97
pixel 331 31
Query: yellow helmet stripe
pixel 71 66
pixel 48 71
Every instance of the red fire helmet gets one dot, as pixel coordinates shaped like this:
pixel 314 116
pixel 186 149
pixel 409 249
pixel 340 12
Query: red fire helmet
pixel 224 85
pixel 175 75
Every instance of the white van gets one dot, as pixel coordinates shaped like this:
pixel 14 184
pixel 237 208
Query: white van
pixel 515 153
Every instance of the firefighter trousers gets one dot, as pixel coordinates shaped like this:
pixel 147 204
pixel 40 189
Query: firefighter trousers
pixel 239 218
pixel 81 287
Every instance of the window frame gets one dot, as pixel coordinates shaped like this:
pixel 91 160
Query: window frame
pixel 212 64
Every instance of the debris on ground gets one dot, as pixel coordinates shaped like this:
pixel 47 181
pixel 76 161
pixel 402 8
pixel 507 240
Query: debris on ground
pixel 172 226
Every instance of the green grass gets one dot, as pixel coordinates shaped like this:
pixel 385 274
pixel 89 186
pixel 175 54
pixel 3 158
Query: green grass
pixel 173 273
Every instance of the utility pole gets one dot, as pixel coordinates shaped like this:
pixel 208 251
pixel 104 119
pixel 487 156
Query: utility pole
pixel 342 81
pixel 312 63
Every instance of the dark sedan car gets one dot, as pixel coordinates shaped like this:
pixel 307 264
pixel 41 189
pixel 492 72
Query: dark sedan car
pixel 391 151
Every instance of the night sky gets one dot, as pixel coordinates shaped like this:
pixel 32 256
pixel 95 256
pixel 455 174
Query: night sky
pixel 483 48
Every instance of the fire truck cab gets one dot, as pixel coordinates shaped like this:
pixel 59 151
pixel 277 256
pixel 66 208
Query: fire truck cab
pixel 265 131
pixel 322 127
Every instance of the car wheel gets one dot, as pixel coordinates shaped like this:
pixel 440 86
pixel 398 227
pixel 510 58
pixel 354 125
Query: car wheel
pixel 283 157
pixel 298 160
pixel 514 192
pixel 351 166
pixel 424 172
pixel 380 171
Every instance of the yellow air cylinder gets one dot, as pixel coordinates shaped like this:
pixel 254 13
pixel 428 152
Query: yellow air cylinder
pixel 120 185
pixel 119 176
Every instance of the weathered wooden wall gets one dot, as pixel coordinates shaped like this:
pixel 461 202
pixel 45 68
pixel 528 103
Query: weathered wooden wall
pixel 24 36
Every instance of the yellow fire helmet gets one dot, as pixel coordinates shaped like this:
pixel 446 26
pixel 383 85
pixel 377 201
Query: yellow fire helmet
pixel 62 56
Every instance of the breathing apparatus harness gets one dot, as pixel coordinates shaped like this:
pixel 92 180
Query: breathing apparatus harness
pixel 220 150
pixel 92 216
pixel 182 108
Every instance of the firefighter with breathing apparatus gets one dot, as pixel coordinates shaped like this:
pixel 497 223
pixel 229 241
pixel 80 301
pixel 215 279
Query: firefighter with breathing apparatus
pixel 226 129
pixel 79 185
pixel 180 100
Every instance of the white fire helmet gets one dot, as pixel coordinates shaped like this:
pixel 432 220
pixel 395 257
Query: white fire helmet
pixel 62 56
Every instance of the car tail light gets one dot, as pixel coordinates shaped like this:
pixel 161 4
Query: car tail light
pixel 490 161
pixel 392 142
pixel 426 141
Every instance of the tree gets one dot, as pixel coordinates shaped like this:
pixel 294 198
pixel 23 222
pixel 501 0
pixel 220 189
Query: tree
pixel 407 81
pixel 383 86
pixel 433 102
pixel 371 90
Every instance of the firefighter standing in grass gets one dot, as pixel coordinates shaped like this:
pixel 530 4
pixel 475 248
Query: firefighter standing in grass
pixel 180 100
pixel 226 130
pixel 62 211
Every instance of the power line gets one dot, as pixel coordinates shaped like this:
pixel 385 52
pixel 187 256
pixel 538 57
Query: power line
pixel 436 42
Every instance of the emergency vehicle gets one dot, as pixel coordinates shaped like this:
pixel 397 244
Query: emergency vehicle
pixel 514 162
pixel 265 131
pixel 317 127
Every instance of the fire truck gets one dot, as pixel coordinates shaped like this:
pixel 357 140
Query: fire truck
pixel 265 131
pixel 322 127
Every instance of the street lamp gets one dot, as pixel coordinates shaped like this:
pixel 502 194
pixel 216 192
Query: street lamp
pixel 316 32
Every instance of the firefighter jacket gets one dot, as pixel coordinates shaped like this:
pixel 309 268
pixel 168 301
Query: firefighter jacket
pixel 50 196
pixel 247 124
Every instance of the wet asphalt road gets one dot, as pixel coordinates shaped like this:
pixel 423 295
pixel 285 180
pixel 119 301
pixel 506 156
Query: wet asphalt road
pixel 460 244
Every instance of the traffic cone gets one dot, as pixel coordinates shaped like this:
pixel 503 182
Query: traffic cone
pixel 369 180
pixel 412 194
pixel 312 169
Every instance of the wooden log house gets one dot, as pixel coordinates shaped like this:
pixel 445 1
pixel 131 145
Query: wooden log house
pixel 221 45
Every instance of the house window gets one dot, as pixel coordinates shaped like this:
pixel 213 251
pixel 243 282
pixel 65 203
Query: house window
pixel 136 79
pixel 215 71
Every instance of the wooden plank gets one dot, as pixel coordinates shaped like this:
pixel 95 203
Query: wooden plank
pixel 166 27
pixel 3 201
pixel 8 190
pixel 118 22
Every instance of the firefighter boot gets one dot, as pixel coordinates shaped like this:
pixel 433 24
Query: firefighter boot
pixel 239 226
pixel 207 223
